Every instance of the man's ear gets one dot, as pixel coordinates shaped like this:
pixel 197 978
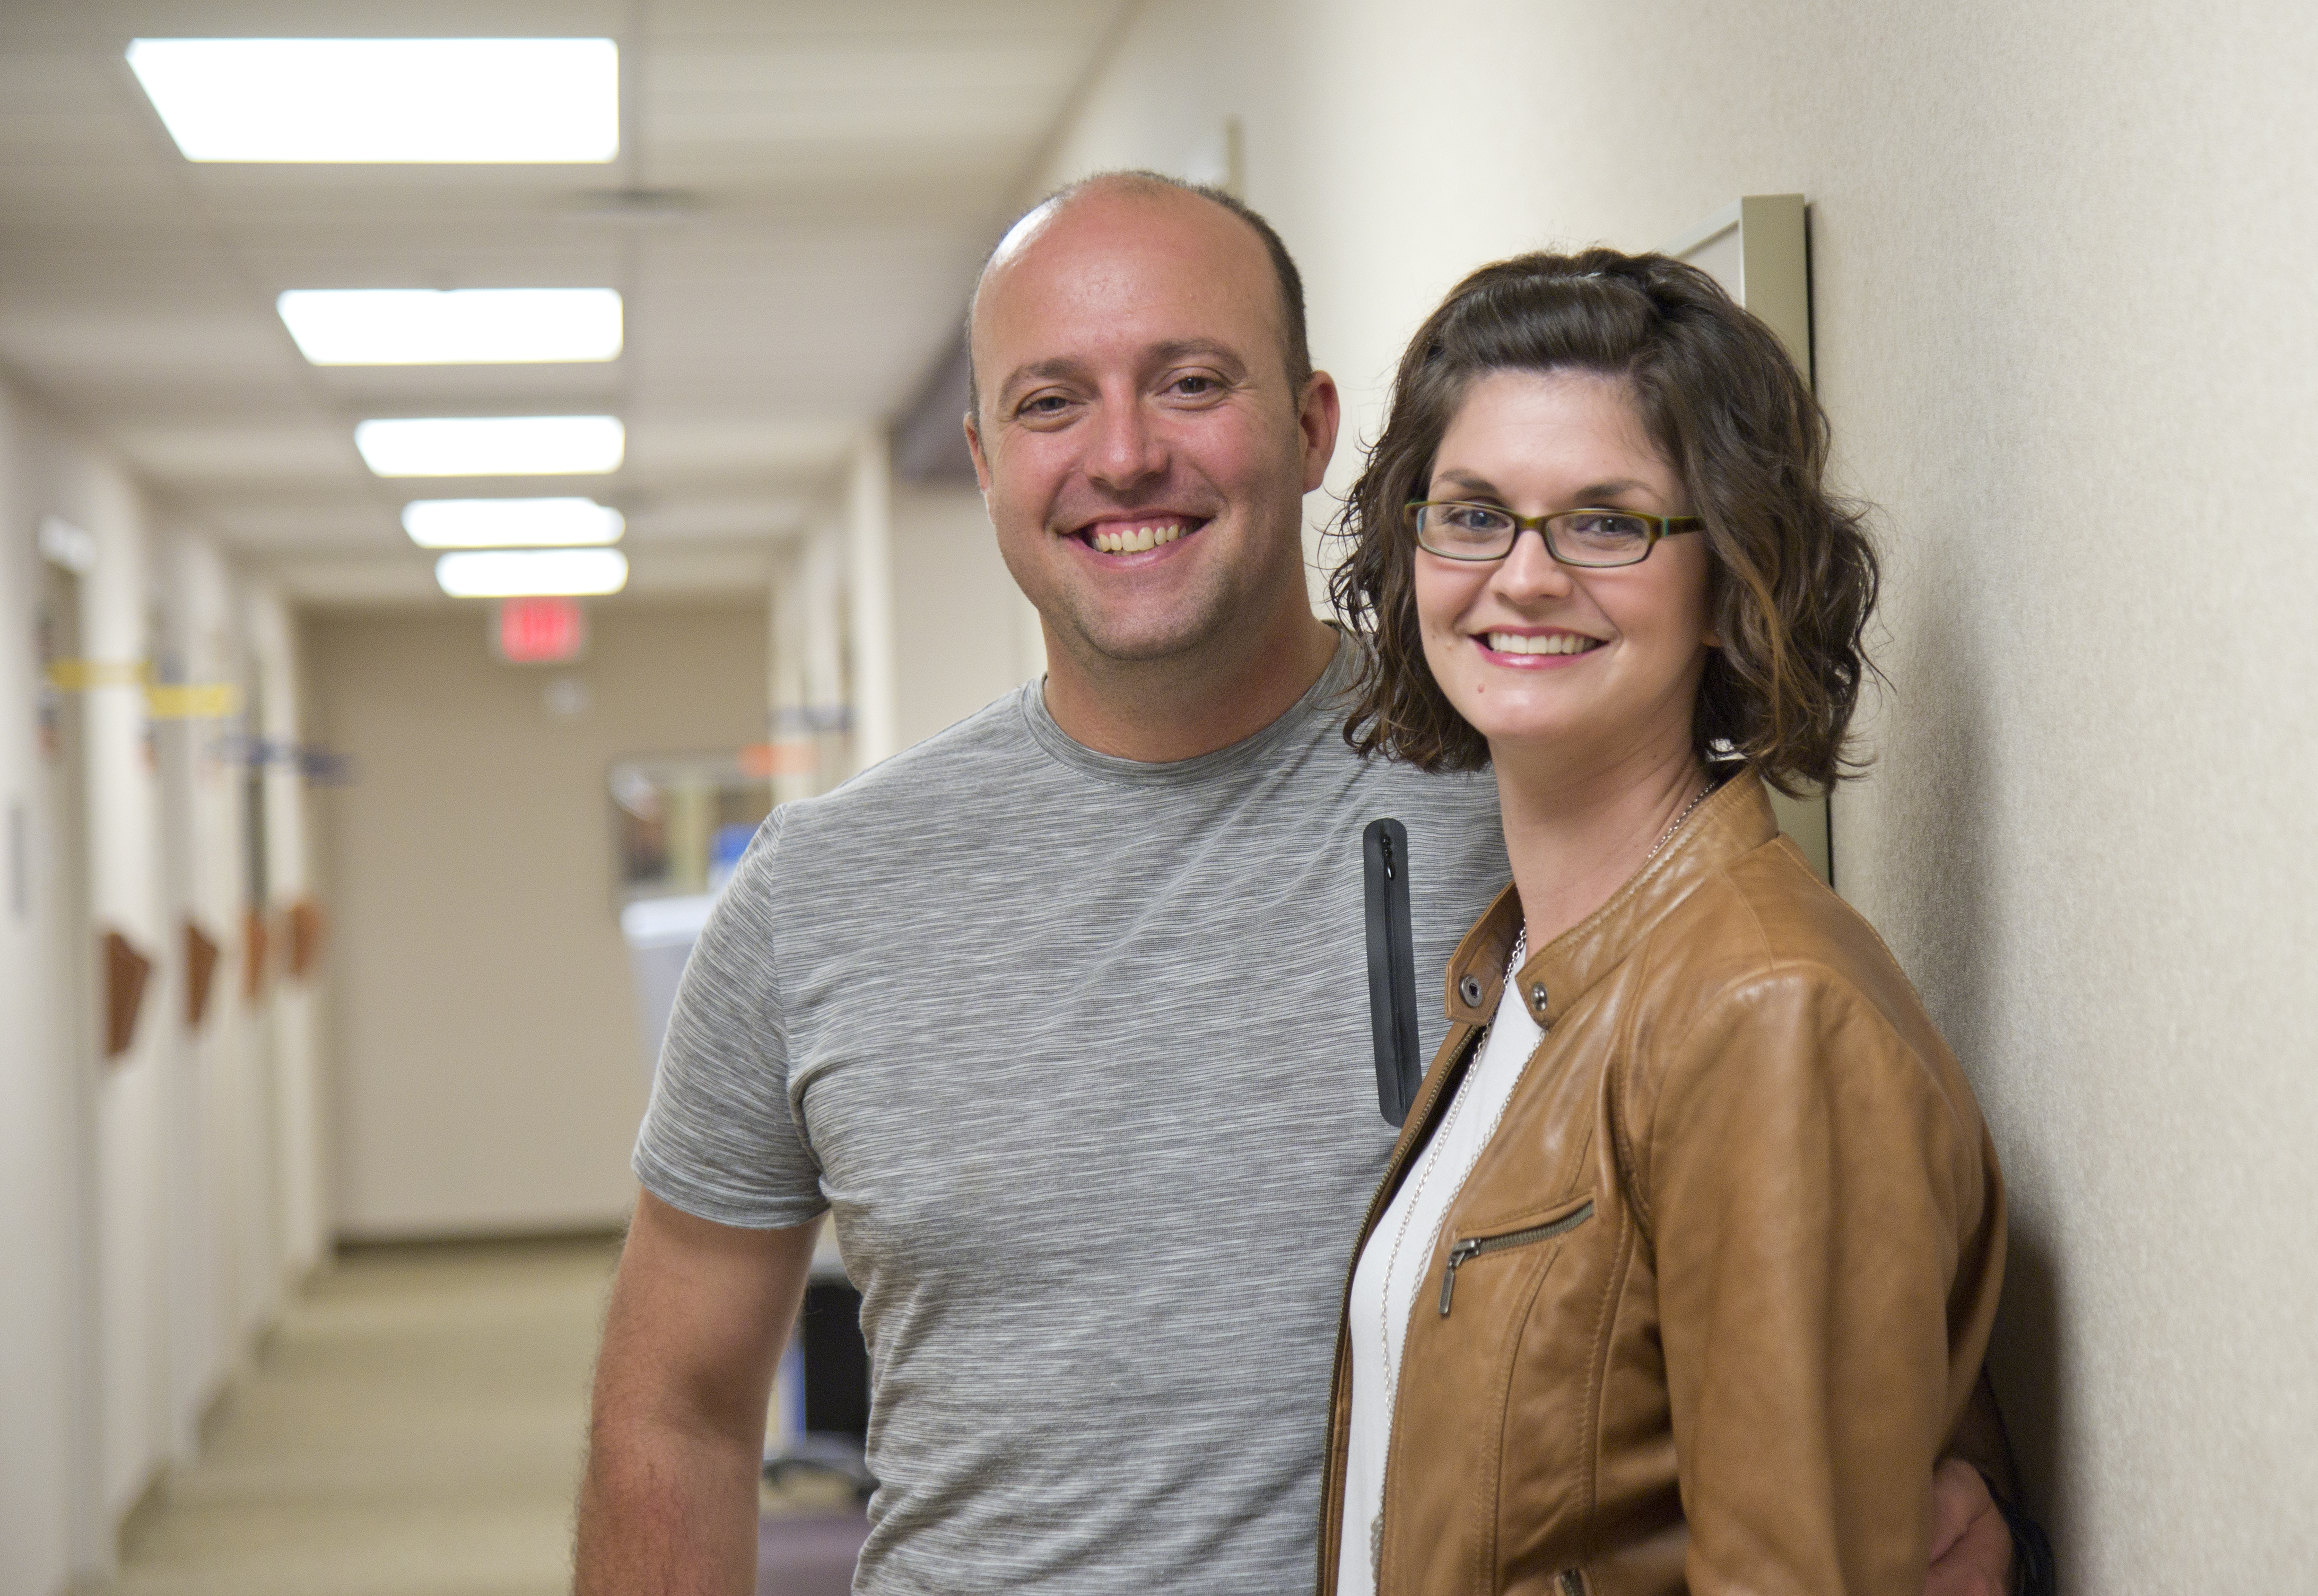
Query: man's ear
pixel 1318 413
pixel 981 461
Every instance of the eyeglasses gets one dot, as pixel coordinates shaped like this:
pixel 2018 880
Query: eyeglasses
pixel 1595 539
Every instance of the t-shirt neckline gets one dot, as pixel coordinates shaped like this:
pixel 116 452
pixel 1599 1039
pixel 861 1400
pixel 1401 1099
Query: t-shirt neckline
pixel 1295 724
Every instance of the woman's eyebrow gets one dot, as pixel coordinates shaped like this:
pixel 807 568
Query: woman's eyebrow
pixel 1593 494
pixel 1607 490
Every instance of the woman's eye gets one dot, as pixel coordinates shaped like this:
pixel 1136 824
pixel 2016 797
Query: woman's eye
pixel 1474 518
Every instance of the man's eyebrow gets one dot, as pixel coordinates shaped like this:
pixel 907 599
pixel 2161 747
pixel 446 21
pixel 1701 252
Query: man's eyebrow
pixel 1038 371
pixel 1186 348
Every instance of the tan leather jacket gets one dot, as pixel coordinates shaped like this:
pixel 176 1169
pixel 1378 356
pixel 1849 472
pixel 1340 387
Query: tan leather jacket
pixel 1718 1288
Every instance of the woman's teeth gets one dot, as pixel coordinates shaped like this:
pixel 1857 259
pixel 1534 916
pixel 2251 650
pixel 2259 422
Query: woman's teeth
pixel 1134 540
pixel 1552 643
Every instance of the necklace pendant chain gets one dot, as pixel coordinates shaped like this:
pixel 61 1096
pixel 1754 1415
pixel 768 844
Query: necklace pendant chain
pixel 1431 1155
pixel 1666 835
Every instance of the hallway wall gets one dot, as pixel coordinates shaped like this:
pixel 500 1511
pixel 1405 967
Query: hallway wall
pixel 40 1177
pixel 2059 259
pixel 295 1067
pixel 968 633
pixel 148 1251
pixel 469 865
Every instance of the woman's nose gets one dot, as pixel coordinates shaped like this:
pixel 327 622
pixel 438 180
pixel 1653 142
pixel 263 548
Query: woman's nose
pixel 1529 572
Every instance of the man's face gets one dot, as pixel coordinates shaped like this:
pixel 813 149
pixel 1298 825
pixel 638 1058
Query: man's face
pixel 1140 448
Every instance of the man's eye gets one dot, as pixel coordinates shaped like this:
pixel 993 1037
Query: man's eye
pixel 1043 404
pixel 1195 387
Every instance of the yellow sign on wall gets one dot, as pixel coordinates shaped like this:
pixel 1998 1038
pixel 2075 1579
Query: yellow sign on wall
pixel 194 701
pixel 164 701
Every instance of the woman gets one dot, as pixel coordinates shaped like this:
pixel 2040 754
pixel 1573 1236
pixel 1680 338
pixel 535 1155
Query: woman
pixel 1686 1263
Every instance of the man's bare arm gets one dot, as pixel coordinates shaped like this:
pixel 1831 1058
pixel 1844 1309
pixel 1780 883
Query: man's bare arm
pixel 699 1313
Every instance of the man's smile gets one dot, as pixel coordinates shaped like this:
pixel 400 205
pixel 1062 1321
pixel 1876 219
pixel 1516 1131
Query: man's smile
pixel 1122 536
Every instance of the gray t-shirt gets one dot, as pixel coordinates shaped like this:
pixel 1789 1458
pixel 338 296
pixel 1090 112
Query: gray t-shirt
pixel 1077 1052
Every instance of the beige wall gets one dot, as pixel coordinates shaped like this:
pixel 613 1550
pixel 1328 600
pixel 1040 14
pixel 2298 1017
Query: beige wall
pixel 486 1070
pixel 966 633
pixel 294 1069
pixel 47 1464
pixel 147 1248
pixel 2065 332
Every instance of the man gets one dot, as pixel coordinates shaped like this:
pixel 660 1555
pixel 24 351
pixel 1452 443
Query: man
pixel 1062 1013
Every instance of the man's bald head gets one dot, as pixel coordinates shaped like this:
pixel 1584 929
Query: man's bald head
pixel 1296 352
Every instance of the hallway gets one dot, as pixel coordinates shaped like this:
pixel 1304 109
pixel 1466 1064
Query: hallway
pixel 414 1428
pixel 428 555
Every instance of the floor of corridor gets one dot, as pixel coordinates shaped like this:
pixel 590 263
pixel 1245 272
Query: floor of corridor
pixel 414 1428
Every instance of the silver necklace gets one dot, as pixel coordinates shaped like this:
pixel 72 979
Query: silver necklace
pixel 1667 835
pixel 1513 962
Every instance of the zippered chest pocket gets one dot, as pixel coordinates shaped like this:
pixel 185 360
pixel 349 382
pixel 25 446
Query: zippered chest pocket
pixel 1469 1248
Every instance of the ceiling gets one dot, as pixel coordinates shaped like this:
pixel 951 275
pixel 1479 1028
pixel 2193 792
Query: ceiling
pixel 805 190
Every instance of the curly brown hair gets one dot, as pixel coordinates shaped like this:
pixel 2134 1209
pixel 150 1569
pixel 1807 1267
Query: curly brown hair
pixel 1793 574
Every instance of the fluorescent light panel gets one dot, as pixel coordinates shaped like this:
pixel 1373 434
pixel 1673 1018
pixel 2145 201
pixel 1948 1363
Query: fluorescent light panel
pixel 424 327
pixel 510 523
pixel 371 100
pixel 525 573
pixel 492 445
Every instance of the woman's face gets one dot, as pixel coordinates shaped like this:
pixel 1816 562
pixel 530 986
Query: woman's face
pixel 1592 667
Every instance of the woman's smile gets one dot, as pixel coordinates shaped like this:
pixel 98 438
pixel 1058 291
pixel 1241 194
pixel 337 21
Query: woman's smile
pixel 1539 649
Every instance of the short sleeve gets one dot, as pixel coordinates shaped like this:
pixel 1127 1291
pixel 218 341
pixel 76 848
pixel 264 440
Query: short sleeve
pixel 720 1140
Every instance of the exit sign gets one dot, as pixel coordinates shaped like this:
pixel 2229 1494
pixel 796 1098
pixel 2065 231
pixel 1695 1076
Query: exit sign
pixel 539 630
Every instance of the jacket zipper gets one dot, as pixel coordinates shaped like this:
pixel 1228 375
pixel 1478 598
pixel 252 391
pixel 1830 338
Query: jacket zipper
pixel 1472 1247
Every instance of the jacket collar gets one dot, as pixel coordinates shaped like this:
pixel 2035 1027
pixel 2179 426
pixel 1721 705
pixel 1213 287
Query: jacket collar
pixel 1735 821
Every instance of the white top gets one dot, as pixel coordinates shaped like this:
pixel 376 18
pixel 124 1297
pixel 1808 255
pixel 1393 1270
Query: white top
pixel 1394 1265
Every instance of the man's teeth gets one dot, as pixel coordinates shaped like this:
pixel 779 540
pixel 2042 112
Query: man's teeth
pixel 1552 643
pixel 1134 540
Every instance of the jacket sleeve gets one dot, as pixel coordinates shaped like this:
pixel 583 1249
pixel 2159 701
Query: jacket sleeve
pixel 1811 1184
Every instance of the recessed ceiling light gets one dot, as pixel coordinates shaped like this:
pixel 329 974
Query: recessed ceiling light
pixel 424 327
pixel 492 445
pixel 462 100
pixel 510 523
pixel 524 573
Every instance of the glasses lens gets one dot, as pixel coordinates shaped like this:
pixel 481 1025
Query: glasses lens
pixel 1464 532
pixel 1599 537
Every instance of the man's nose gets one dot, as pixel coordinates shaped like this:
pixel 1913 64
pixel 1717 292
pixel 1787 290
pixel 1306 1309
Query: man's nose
pixel 1127 449
pixel 1529 570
